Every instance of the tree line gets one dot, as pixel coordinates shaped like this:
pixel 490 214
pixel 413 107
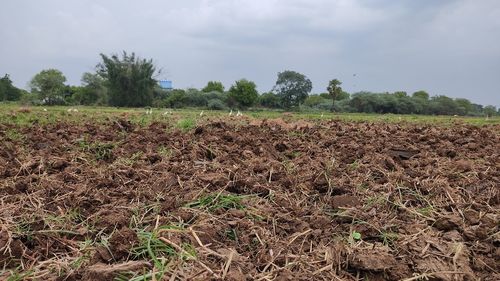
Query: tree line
pixel 129 81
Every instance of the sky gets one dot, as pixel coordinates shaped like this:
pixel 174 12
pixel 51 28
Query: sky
pixel 446 47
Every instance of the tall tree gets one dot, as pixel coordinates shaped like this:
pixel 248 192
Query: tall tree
pixel 244 93
pixel 93 90
pixel 129 79
pixel 292 88
pixel 334 90
pixel 213 86
pixel 489 110
pixel 421 95
pixel 49 86
pixel 7 90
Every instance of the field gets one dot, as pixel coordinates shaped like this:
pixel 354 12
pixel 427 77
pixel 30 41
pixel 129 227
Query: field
pixel 110 194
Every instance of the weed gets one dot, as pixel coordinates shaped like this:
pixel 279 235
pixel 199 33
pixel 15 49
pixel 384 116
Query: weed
pixel 153 248
pixel 353 166
pixel 20 274
pixel 165 151
pixel 101 151
pixel 186 124
pixel 13 135
pixel 388 238
pixel 375 201
pixel 231 234
pixel 214 202
pixel 356 235
pixel 426 211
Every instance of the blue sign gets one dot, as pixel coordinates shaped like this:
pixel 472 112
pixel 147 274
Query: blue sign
pixel 165 84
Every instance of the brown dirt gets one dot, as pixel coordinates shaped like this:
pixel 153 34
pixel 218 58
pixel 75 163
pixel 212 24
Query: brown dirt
pixel 425 200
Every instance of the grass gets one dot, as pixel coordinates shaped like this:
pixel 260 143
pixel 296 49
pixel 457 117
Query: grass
pixel 186 124
pixel 11 113
pixel 214 202
pixel 101 151
pixel 152 247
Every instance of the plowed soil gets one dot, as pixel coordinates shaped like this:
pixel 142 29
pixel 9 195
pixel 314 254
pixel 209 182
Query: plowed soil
pixel 250 200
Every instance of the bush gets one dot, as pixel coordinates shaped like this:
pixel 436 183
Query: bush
pixel 269 100
pixel 315 100
pixel 216 104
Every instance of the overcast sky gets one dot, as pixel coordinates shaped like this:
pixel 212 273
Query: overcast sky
pixel 449 47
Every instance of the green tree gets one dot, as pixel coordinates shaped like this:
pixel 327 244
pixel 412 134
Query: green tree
pixel 443 105
pixel 129 80
pixel 400 94
pixel 343 96
pixel 421 95
pixel 292 88
pixel 176 98
pixel 489 110
pixel 464 105
pixel 269 100
pixel 244 93
pixel 213 86
pixel 8 91
pixel 334 90
pixel 49 86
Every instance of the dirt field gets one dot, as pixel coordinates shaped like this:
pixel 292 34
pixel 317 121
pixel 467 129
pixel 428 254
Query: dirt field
pixel 249 200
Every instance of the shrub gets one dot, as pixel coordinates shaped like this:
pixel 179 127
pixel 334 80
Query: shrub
pixel 216 104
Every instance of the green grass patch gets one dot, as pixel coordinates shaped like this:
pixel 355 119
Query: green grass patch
pixel 186 124
pixel 214 202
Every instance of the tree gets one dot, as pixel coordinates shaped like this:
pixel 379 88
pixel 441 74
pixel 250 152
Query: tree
pixel 400 94
pixel 8 91
pixel 213 86
pixel 269 100
pixel 489 110
pixel 443 105
pixel 49 86
pixel 464 106
pixel 244 93
pixel 292 88
pixel 176 98
pixel 421 95
pixel 334 90
pixel 129 80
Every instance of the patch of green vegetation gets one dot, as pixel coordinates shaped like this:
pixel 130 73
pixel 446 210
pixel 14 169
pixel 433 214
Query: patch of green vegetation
pixel 152 248
pixel 14 135
pixel 164 151
pixel 20 274
pixel 426 211
pixel 353 166
pixel 214 202
pixel 377 200
pixel 85 248
pixel 388 238
pixel 101 151
pixel 186 124
pixel 356 235
pixel 231 234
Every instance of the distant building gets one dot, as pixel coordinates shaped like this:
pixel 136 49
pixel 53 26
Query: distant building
pixel 165 84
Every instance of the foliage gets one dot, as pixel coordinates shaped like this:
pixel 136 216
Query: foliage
pixel 177 98
pixel 292 88
pixel 216 104
pixel 315 100
pixel 194 97
pixel 334 90
pixel 93 90
pixel 213 86
pixel 269 100
pixel 421 95
pixel 129 79
pixel 8 92
pixel 489 110
pixel 49 86
pixel 244 93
